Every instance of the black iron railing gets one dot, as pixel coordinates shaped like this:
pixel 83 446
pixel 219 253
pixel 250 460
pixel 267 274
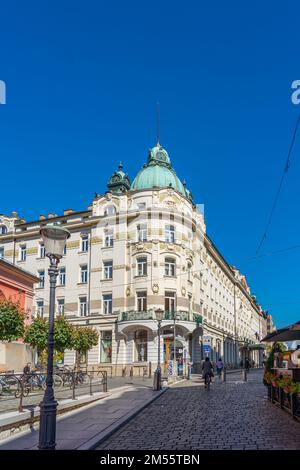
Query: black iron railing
pixel 180 315
pixel 25 390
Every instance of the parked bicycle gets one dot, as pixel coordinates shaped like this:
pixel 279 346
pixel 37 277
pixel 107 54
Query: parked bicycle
pixel 9 383
pixel 207 380
pixel 37 381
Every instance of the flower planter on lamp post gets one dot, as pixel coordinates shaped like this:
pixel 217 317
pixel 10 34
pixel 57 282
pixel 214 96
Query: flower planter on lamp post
pixel 54 237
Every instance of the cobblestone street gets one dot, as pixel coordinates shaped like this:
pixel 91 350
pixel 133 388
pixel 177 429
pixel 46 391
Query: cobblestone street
pixel 231 415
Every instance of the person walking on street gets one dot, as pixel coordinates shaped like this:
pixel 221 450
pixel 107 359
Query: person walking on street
pixel 247 364
pixel 220 367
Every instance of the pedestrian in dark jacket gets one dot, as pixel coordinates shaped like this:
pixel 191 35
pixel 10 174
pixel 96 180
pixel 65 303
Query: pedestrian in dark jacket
pixel 207 368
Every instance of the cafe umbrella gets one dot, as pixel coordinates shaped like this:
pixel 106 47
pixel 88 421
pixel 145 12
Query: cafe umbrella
pixel 289 333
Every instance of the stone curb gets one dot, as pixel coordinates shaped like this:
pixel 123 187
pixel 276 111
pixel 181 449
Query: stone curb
pixel 91 444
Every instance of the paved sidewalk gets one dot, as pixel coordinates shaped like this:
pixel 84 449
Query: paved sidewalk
pixel 231 415
pixel 84 429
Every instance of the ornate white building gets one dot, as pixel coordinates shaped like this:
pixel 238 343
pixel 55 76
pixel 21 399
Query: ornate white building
pixel 137 248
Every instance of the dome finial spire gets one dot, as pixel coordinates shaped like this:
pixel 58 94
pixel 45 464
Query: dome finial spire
pixel 158 124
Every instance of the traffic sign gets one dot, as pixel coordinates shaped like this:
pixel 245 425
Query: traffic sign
pixel 207 340
pixel 206 348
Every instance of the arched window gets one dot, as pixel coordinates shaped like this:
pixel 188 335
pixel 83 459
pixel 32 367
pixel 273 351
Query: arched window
pixel 3 229
pixel 141 345
pixel 110 210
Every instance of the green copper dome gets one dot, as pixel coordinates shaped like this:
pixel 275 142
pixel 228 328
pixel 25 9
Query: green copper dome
pixel 158 173
pixel 119 181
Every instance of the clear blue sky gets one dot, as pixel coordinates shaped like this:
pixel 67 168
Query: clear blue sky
pixel 83 79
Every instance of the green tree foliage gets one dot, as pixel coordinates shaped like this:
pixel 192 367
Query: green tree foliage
pixel 277 347
pixel 37 334
pixel 84 338
pixel 63 334
pixel 12 319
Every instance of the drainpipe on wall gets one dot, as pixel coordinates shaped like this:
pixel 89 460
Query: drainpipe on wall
pixel 14 253
pixel 90 271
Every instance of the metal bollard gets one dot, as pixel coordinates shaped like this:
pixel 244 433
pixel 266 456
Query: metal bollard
pixel 131 373
pixel 21 396
pixel 73 385
pixel 91 391
pixel 157 380
pixel 104 375
pixel 244 375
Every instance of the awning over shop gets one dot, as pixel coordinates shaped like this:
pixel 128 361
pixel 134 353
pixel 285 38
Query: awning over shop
pixel 256 346
pixel 289 333
pixel 252 346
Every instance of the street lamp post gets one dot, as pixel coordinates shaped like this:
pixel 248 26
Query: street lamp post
pixel 176 317
pixel 159 314
pixel 54 237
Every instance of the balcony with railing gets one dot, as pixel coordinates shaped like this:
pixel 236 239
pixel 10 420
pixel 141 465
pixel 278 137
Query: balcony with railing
pixel 180 315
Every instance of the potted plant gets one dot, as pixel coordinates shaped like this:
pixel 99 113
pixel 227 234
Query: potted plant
pixel 275 381
pixel 285 383
pixel 268 376
pixel 295 388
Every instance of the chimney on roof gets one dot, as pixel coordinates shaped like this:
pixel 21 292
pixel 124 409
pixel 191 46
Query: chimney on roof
pixel 42 217
pixel 51 215
pixel 68 211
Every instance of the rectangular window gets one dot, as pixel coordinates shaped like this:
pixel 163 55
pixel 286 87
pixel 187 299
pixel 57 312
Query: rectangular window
pixel 170 302
pixel 142 232
pixel 1 252
pixel 83 273
pixel 109 240
pixel 41 275
pixel 40 308
pixel 108 269
pixel 61 306
pixel 42 252
pixel 170 267
pixel 170 233
pixel 62 276
pixel 141 205
pixel 107 304
pixel 106 346
pixel 82 306
pixel 23 253
pixel 85 243
pixel 142 266
pixel 141 301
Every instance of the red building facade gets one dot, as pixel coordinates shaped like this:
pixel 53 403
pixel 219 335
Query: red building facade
pixel 17 285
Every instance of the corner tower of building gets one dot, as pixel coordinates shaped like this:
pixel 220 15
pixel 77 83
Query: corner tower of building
pixel 159 173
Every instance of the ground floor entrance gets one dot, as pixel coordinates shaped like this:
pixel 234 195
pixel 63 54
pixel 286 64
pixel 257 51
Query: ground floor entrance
pixel 174 356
